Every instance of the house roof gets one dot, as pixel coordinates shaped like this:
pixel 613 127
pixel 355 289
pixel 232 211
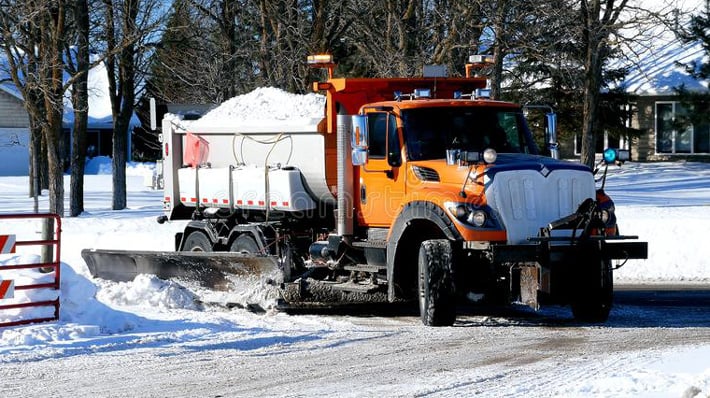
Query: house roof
pixel 9 87
pixel 657 58
pixel 662 70
pixel 100 116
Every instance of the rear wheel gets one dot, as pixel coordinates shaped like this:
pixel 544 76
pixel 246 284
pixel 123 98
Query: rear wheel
pixel 437 304
pixel 593 300
pixel 244 243
pixel 197 241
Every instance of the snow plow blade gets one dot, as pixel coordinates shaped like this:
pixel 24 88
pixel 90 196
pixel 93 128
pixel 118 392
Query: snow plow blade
pixel 212 270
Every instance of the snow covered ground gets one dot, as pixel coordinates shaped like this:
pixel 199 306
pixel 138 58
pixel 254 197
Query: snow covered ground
pixel 664 203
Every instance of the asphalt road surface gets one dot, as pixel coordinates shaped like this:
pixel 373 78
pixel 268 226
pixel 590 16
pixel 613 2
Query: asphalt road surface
pixel 358 353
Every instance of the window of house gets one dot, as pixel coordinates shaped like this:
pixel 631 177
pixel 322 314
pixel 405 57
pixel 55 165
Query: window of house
pixel 674 136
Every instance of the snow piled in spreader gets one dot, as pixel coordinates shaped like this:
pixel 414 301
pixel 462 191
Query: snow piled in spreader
pixel 264 106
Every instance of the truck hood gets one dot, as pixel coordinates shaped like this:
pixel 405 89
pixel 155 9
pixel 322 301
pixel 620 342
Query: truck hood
pixel 439 171
pixel 529 192
pixel 524 192
pixel 542 164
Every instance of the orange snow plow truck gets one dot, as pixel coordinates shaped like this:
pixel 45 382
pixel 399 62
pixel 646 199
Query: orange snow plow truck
pixel 408 189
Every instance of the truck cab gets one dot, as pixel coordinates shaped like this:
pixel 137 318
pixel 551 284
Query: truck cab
pixel 451 198
pixel 415 153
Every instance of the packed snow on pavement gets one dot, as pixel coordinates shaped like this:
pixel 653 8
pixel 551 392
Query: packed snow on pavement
pixel 665 204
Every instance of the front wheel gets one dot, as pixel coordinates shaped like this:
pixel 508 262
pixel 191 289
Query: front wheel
pixel 437 301
pixel 593 300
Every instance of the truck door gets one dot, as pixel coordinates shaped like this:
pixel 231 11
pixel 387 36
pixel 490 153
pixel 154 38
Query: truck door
pixel 382 187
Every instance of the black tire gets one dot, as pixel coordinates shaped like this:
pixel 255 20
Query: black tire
pixel 197 241
pixel 437 301
pixel 244 243
pixel 592 302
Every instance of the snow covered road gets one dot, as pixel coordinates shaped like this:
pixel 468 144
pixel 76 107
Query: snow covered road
pixel 148 338
pixel 505 354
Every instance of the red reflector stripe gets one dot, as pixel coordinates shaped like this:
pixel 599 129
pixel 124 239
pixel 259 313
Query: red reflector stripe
pixel 5 287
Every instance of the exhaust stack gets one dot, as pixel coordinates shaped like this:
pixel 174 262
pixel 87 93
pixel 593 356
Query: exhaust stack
pixel 345 177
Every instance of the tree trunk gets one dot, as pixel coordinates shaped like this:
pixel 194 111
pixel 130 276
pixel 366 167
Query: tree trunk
pixel 35 150
pixel 80 99
pixel 55 174
pixel 499 27
pixel 497 73
pixel 53 100
pixel 121 75
pixel 43 163
pixel 119 164
pixel 591 40
pixel 590 122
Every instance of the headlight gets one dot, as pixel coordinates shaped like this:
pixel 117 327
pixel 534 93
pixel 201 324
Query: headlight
pixel 460 211
pixel 490 155
pixel 477 218
pixel 468 214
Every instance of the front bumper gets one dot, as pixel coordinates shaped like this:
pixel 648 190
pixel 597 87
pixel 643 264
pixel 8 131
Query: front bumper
pixel 553 250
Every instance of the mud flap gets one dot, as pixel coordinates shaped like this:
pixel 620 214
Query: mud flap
pixel 212 270
pixel 529 286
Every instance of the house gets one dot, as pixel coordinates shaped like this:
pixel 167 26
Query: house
pixel 14 133
pixel 656 71
pixel 658 105
pixel 14 124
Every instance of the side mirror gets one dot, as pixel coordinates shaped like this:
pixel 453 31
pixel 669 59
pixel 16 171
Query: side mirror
pixel 359 139
pixel 360 136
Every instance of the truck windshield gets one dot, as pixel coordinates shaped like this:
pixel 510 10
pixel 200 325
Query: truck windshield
pixel 429 132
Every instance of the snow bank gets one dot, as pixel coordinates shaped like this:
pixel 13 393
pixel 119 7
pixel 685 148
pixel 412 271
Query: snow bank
pixel 102 165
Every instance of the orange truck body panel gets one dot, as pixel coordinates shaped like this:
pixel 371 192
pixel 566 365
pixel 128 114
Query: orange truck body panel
pixel 388 194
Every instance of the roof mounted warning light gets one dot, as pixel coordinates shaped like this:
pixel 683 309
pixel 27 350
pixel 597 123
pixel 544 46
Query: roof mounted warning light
pixel 323 61
pixel 478 62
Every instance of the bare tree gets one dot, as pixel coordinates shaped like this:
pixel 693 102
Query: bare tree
pixel 129 27
pixel 78 64
pixel 33 36
pixel 456 28
pixel 216 49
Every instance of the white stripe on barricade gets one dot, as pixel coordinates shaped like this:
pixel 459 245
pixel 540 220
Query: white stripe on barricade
pixel 7 243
